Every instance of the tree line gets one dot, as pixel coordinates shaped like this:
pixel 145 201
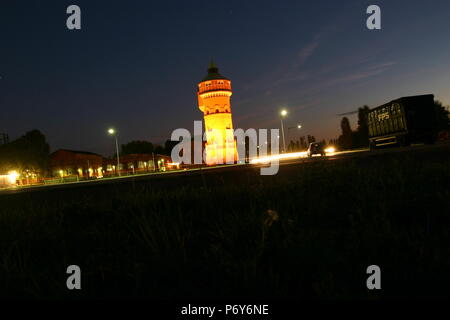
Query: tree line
pixel 147 147
pixel 31 152
pixel 359 138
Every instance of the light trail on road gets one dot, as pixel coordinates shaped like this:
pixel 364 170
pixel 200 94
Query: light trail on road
pixel 298 155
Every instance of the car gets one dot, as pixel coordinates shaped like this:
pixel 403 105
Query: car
pixel 316 148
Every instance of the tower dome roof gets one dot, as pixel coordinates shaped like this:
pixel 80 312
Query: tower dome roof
pixel 213 73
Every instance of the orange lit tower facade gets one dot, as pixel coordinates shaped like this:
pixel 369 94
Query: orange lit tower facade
pixel 214 93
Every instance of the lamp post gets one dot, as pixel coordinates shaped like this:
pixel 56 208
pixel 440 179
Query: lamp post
pixel 298 127
pixel 113 132
pixel 283 113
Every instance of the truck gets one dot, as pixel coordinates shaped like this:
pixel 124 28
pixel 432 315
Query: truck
pixel 402 122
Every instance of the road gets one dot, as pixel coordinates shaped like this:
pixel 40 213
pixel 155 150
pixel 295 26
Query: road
pixel 292 160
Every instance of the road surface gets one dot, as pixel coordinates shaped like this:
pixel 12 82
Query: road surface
pixel 419 150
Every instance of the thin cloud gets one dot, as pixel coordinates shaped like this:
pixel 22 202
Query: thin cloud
pixel 289 69
pixel 307 52
pixel 367 73
pixel 293 73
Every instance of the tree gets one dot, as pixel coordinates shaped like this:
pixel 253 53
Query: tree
pixel 345 139
pixel 146 147
pixel 137 147
pixel 159 149
pixel 442 116
pixel 303 143
pixel 362 132
pixel 291 146
pixel 29 152
pixel 311 139
pixel 168 146
pixel 333 142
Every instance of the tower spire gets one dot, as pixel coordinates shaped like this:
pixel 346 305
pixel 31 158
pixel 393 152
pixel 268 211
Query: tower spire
pixel 213 72
pixel 212 68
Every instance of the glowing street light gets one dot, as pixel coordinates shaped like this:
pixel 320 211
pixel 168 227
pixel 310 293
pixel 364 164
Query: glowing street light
pixel 299 126
pixel 12 176
pixel 113 132
pixel 283 113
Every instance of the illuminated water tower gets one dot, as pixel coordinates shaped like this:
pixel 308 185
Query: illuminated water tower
pixel 214 93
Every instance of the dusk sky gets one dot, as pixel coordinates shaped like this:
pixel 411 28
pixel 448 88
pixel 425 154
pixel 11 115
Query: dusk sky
pixel 135 65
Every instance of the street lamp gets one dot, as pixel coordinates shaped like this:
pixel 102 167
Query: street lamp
pixel 283 114
pixel 113 132
pixel 298 127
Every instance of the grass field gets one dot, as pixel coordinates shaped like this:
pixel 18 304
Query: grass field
pixel 211 235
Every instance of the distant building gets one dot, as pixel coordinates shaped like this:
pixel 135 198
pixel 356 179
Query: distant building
pixel 83 164
pixel 4 138
pixel 138 163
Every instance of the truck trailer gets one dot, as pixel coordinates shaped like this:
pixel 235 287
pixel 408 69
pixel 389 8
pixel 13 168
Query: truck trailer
pixel 402 122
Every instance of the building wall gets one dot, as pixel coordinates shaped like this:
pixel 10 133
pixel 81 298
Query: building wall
pixel 137 163
pixel 64 163
pixel 68 163
pixel 214 101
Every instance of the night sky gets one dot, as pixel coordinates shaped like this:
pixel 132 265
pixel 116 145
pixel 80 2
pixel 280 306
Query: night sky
pixel 135 64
